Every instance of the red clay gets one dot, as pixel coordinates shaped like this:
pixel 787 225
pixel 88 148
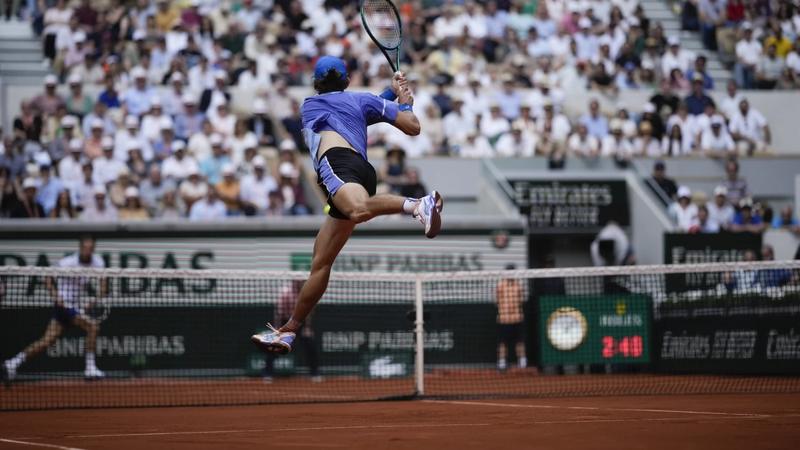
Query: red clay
pixel 743 421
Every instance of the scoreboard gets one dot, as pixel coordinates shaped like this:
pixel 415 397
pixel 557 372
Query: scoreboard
pixel 594 329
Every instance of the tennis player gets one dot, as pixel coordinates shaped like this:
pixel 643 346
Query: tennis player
pixel 335 129
pixel 66 293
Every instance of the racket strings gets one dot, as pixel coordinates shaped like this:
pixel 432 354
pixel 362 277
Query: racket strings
pixel 382 20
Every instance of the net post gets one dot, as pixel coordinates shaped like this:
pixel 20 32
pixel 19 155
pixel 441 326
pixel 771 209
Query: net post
pixel 419 332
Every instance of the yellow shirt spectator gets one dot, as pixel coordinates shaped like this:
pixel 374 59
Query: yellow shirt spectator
pixel 782 45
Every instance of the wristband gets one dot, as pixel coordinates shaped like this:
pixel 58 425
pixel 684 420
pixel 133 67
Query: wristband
pixel 405 107
pixel 388 94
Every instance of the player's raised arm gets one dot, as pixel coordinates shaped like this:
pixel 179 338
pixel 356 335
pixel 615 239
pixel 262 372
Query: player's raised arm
pixel 406 121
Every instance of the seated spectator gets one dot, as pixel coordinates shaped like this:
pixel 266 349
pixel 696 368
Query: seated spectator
pixel 260 124
pixel 99 112
pixel 684 212
pixel 153 189
pixel 133 208
pixel 222 120
pixel 137 166
pixel 704 223
pixel 179 165
pixel 78 103
pixel 170 207
pixel 99 210
pixel 676 144
pixel 750 129
pixel 651 116
pixel 116 189
pixel 735 185
pixel 458 124
pixel 93 144
pixel 720 211
pixel 49 101
pixel 130 137
pixel 746 219
pixel 596 123
pixel 517 143
pixel 493 125
pixel 26 205
pixel 729 105
pixel 189 120
pixel 137 97
pixel 292 195
pixel 199 145
pixel 646 144
pixel 239 141
pixel 106 168
pixel 786 219
pixel 276 206
pixel 110 96
pixel 583 145
pixel 155 121
pixel 209 207
pixel 617 145
pixel 698 100
pixel 676 58
pixel 229 190
pixel 63 208
pixel 59 147
pixel 49 188
pixel 192 189
pixel 474 146
pixel 256 188
pixel 771 69
pixel 69 168
pixel 699 71
pixel 716 142
pixel 211 168
pixel 748 56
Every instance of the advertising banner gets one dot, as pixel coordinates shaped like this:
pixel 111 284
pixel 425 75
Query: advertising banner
pixel 729 336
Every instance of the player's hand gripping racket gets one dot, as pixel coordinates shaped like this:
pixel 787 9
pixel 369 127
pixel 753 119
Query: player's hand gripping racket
pixel 382 22
pixel 97 309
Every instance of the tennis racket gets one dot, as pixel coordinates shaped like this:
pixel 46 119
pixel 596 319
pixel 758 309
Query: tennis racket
pixel 382 22
pixel 97 309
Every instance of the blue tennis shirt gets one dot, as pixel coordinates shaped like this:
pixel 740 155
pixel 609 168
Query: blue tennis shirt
pixel 347 113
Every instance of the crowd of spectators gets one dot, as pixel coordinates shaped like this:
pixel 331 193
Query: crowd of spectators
pixel 731 207
pixel 139 109
pixel 758 37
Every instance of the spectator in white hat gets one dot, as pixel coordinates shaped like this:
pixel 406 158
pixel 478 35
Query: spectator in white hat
pixel 260 124
pixel 133 208
pixel 748 55
pixel 684 212
pixel 256 188
pixel 100 210
pixel 210 207
pixel 69 168
pixel 162 147
pixel 211 167
pixel 241 139
pixel 716 142
pixel 199 144
pixel 49 187
pixel 106 167
pixel 581 144
pixel 750 129
pixel 152 121
pixel 83 191
pixel 720 210
pixel 99 112
pixel 229 190
pixel 129 135
pixel 193 188
pixel 223 121
pixel 616 145
pixel 136 98
pixel 26 205
pixel 77 102
pixel 49 101
pixel 179 165
pixel 189 120
pixel 516 143
pixel 215 95
pixel 59 147
pixel 676 58
pixel 586 42
pixel 154 187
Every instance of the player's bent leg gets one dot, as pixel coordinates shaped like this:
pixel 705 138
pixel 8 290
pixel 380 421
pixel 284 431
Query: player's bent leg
pixel 51 333
pixel 91 327
pixel 332 236
pixel 354 201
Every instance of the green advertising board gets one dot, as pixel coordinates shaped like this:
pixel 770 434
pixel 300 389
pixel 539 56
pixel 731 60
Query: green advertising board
pixel 594 329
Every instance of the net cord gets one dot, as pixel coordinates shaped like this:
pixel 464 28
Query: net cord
pixel 229 274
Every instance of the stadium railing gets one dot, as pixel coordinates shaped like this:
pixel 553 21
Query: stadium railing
pixel 181 337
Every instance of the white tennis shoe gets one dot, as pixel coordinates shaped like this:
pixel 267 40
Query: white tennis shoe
pixel 93 373
pixel 10 371
pixel 428 212
pixel 274 341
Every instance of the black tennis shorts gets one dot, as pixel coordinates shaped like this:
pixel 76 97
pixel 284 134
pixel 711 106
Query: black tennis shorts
pixel 509 333
pixel 340 165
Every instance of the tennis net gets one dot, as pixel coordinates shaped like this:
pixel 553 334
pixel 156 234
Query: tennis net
pixel 181 338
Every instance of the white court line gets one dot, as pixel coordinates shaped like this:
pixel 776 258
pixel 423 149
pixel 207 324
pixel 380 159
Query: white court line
pixel 595 408
pixel 36 444
pixel 165 433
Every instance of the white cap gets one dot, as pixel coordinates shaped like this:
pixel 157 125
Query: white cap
pixel 29 183
pixel 139 35
pixel 193 170
pixel 188 99
pixel 288 144
pixel 99 189
pixel 215 139
pixel 259 106
pixel 50 80
pixel 648 65
pixel 131 121
pixel 138 72
pixel 133 144
pixel 75 79
pixel 228 169
pixel 176 76
pixel 747 25
pixel 76 144
pixel 716 120
pixel 79 37
pixel 250 141
pixel 42 159
pixel 131 192
pixel 220 75
pixel 684 191
pixel 107 143
pixel 720 190
pixel 155 101
pixel 674 40
pixel 287 169
pixel 165 123
pixel 259 161
pixel 69 121
pixel 123 171
pixel 584 22
pixel 96 123
pixel 649 108
pixel 178 146
pixel 615 124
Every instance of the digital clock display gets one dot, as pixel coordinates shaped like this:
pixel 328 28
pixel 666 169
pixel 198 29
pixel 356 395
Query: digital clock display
pixel 626 346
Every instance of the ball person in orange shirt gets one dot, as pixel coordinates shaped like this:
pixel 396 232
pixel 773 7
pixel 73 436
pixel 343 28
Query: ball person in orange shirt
pixel 510 318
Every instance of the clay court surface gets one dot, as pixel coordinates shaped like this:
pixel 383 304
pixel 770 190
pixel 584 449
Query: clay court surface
pixel 742 421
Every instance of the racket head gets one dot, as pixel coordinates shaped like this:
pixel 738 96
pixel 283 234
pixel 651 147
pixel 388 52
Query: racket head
pixel 98 309
pixel 382 22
